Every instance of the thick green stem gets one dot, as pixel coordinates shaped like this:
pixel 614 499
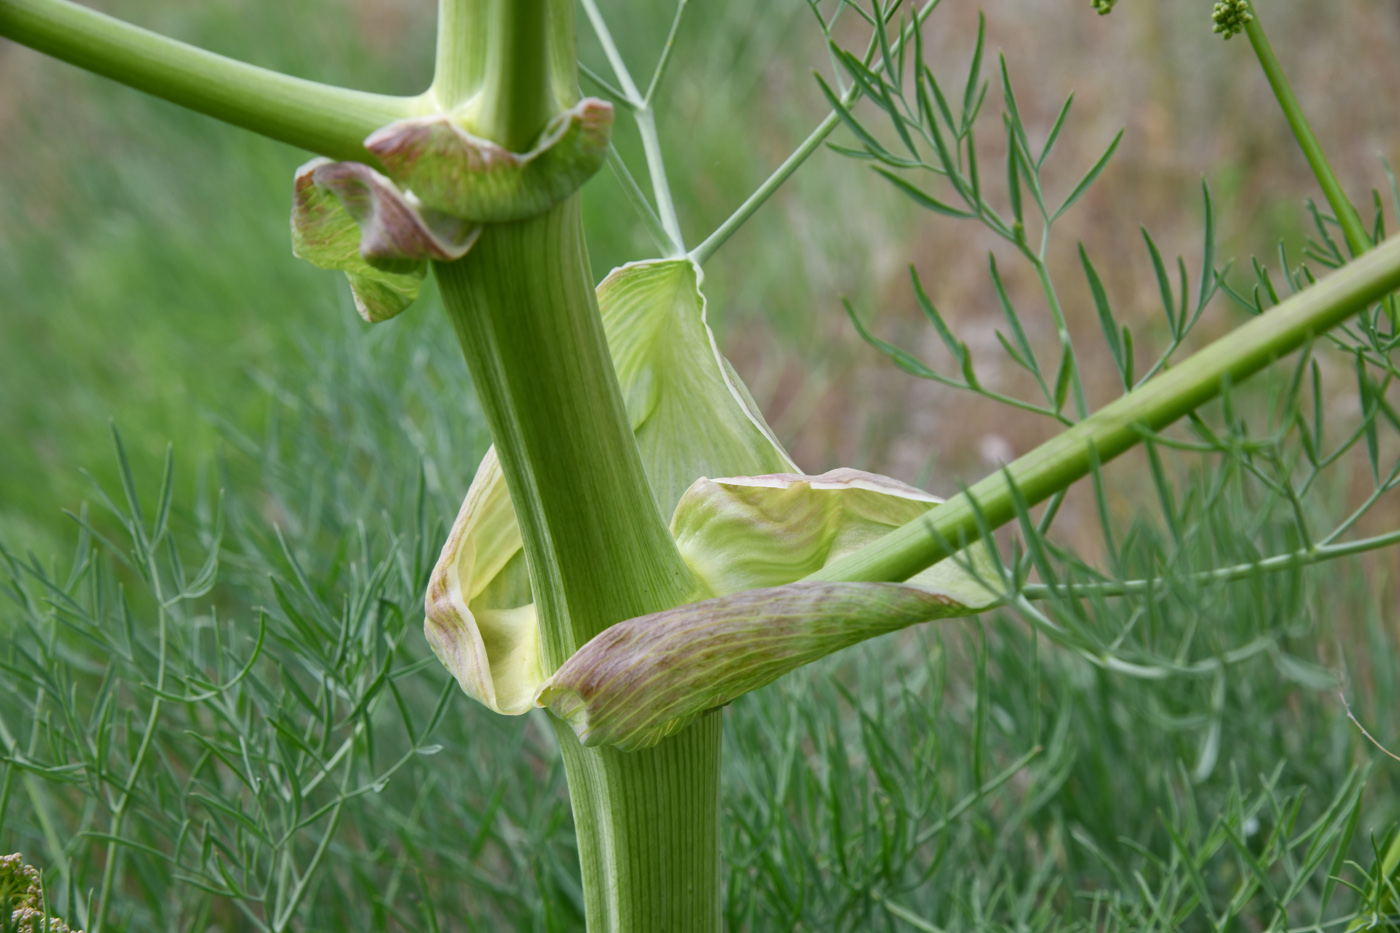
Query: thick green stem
pixel 1118 426
pixel 1347 216
pixel 328 120
pixel 598 551
pixel 648 830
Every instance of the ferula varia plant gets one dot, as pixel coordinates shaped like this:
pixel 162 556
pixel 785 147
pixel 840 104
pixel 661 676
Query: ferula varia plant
pixel 638 550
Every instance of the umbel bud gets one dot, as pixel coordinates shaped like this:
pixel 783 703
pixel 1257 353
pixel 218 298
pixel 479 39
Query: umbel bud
pixel 22 897
pixel 1231 16
pixel 442 185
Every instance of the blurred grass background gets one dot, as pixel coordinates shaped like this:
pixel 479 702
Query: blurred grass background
pixel 145 274
pixel 146 279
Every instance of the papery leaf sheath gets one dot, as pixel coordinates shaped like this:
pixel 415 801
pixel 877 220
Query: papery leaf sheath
pixel 453 171
pixel 480 614
pixel 347 216
pixel 325 235
pixel 749 538
pixel 394 229
pixel 649 677
pixel 744 532
pixel 691 413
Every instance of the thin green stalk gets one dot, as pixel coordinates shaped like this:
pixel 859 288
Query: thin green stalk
pixel 1355 231
pixel 1117 427
pixel 646 126
pixel 665 58
pixel 656 168
pixel 1294 560
pixel 1057 314
pixel 282 916
pixel 328 120
pixel 109 870
pixel 701 254
pixel 634 193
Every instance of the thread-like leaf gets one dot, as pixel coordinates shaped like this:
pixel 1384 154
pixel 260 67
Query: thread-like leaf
pixel 1090 177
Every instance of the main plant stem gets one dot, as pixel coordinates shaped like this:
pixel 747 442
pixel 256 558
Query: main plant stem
pixel 523 306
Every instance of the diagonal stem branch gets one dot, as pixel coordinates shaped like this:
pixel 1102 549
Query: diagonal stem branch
pixel 700 254
pixel 1119 426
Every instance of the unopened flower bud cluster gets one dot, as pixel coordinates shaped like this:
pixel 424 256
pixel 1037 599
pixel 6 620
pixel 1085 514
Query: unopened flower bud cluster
pixel 20 890
pixel 1231 16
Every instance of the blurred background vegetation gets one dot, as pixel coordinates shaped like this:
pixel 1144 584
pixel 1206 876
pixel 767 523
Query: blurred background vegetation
pixel 146 279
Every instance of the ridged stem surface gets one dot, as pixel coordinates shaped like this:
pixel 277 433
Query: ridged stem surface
pixel 598 551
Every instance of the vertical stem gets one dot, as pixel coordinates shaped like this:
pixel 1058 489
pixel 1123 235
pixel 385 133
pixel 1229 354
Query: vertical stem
pixel 522 303
pixel 1347 216
pixel 598 549
pixel 516 101
pixel 648 831
pixel 461 52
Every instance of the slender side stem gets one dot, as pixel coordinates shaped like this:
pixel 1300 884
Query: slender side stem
pixel 109 871
pixel 328 120
pixel 665 58
pixel 1052 300
pixel 1306 557
pixel 654 226
pixel 1347 216
pixel 1117 427
pixel 656 168
pixel 700 254
pixel 646 125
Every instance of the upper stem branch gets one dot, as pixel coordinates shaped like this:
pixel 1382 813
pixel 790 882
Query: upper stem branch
pixel 1355 232
pixel 516 87
pixel 461 52
pixel 328 120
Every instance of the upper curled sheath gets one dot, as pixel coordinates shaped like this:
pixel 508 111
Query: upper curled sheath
pixel 442 184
